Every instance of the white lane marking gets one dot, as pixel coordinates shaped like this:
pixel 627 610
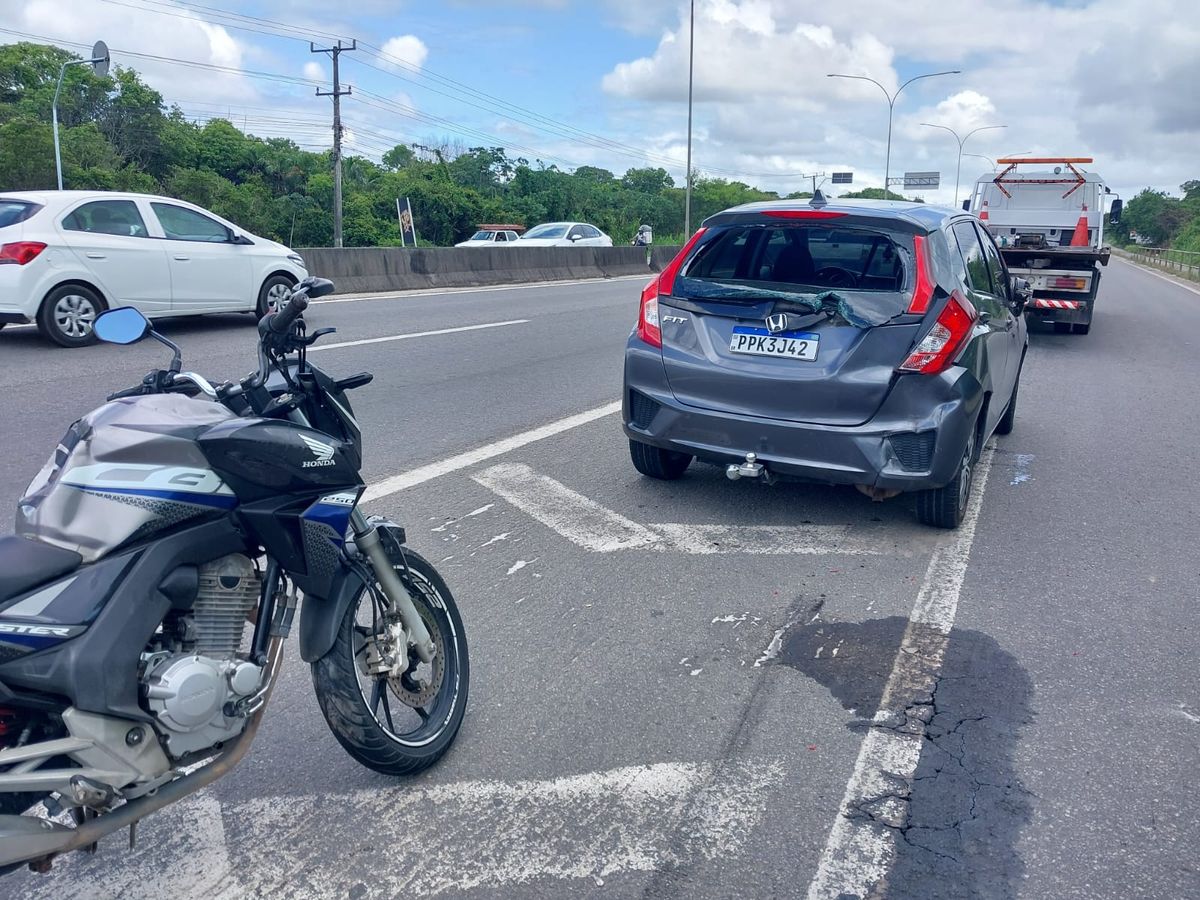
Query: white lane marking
pixel 580 520
pixel 772 539
pixel 492 835
pixel 417 334
pixel 517 566
pixel 593 527
pixel 420 475
pixel 862 842
pixel 1149 271
pixel 483 289
pixel 496 835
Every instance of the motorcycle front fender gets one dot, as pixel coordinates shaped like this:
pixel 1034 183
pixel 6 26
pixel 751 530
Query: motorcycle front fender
pixel 321 617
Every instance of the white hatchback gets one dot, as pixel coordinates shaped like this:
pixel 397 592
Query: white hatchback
pixel 66 256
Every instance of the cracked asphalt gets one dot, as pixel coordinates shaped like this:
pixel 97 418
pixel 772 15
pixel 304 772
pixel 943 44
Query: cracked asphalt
pixel 656 723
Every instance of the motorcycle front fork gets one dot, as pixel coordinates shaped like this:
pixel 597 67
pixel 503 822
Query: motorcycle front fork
pixel 366 538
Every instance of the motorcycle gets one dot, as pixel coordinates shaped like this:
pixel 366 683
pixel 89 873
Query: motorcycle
pixel 159 560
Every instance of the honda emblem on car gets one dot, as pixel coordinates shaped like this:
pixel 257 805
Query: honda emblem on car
pixel 777 323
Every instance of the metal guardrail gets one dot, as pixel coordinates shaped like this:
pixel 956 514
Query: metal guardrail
pixel 1182 262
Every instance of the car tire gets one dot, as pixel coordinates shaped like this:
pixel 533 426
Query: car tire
pixel 1062 327
pixel 1006 423
pixel 1081 328
pixel 273 289
pixel 654 462
pixel 68 313
pixel 945 507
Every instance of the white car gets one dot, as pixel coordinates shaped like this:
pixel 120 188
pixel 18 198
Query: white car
pixel 66 256
pixel 565 234
pixel 487 238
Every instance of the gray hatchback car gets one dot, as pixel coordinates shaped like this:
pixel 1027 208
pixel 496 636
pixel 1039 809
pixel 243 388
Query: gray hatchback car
pixel 877 344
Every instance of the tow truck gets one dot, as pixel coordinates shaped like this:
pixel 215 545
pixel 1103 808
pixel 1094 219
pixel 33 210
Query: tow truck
pixel 1047 216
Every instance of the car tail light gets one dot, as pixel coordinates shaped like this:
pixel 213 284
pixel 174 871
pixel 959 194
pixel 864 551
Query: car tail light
pixel 923 284
pixel 647 325
pixel 940 346
pixel 20 253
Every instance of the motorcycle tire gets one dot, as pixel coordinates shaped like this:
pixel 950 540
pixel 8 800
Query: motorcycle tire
pixel 361 709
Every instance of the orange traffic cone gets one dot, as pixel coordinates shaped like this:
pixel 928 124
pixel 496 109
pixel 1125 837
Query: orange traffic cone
pixel 983 214
pixel 1080 237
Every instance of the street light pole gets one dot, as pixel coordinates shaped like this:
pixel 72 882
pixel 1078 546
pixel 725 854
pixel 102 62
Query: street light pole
pixel 687 203
pixel 891 99
pixel 961 141
pixel 99 64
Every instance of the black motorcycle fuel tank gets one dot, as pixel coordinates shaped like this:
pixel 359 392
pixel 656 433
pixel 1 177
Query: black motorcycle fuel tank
pixel 262 458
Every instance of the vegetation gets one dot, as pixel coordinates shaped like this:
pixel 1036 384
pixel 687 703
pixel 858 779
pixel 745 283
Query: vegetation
pixel 117 134
pixel 1161 220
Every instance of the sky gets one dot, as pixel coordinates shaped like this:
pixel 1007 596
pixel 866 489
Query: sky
pixel 605 82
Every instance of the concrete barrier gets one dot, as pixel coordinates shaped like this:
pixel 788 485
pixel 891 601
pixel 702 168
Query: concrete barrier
pixel 366 269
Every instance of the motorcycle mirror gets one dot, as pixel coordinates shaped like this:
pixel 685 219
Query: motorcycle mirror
pixel 124 325
pixel 318 287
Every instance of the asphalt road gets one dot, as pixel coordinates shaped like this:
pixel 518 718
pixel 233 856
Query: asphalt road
pixel 675 686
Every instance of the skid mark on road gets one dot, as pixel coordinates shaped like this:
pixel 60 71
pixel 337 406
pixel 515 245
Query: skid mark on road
pixel 861 847
pixel 424 842
pixel 593 527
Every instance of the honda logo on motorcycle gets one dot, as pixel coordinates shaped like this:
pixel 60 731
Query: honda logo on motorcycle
pixel 777 323
pixel 322 453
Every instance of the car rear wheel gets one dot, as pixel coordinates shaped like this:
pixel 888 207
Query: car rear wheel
pixel 1081 328
pixel 273 293
pixel 945 507
pixel 666 465
pixel 68 314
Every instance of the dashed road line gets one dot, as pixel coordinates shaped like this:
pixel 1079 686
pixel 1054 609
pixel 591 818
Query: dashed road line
pixel 421 474
pixel 417 334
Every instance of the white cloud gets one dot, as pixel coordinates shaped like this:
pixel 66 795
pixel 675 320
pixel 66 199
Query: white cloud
pixel 1105 78
pixel 408 48
pixel 182 36
pixel 314 71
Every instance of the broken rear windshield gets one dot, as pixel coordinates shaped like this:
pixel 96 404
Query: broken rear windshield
pixel 861 272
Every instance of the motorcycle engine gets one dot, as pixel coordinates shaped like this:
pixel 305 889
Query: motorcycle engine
pixel 194 681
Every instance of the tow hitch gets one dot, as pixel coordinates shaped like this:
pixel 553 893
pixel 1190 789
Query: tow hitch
pixel 751 468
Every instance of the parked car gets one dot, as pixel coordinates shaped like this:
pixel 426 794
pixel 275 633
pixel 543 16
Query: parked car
pixel 489 238
pixel 566 234
pixel 870 343
pixel 65 256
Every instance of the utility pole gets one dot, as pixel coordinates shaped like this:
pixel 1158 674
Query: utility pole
pixel 337 93
pixel 687 202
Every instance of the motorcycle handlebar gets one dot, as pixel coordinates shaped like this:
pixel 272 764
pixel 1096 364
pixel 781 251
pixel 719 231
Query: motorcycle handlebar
pixel 281 321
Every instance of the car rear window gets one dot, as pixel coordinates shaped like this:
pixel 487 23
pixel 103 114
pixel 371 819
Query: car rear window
pixel 809 257
pixel 14 211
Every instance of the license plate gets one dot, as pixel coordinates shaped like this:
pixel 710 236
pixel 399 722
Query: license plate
pixel 760 342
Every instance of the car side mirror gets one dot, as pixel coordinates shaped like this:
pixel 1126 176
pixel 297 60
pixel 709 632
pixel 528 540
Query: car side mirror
pixel 1114 212
pixel 123 325
pixel 1021 292
pixel 240 239
pixel 576 237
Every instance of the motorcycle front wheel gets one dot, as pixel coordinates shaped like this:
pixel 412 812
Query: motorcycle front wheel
pixel 396 725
